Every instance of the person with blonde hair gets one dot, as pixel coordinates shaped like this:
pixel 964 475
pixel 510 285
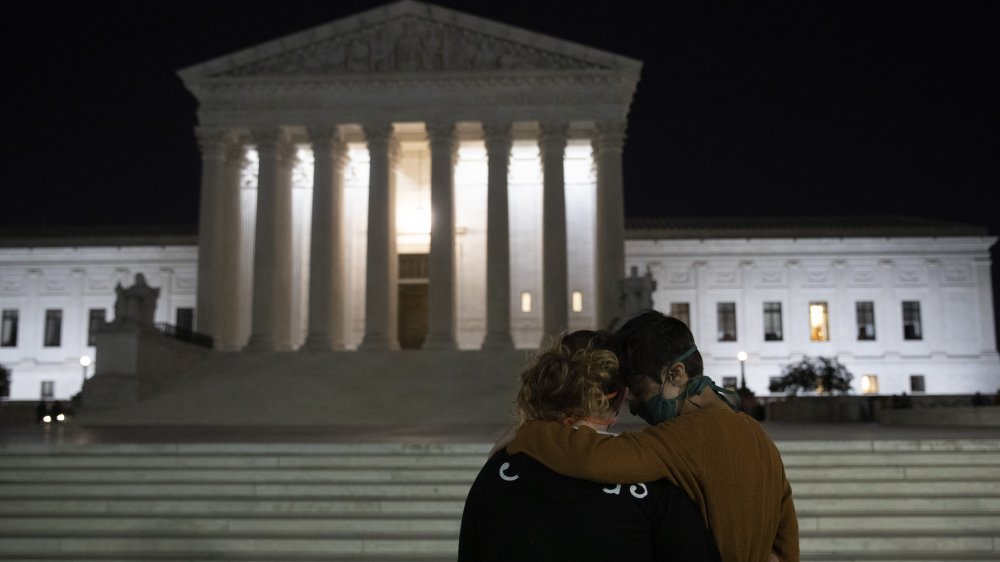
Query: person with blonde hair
pixel 518 509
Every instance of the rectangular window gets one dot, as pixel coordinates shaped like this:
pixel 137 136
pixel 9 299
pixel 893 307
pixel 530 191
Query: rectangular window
pixel 726 312
pixel 917 383
pixel 729 382
pixel 185 319
pixel 577 301
pixel 819 322
pixel 526 301
pixel 772 321
pixel 911 321
pixel 869 384
pixel 95 318
pixel 48 390
pixel 681 311
pixel 864 312
pixel 8 333
pixel 53 328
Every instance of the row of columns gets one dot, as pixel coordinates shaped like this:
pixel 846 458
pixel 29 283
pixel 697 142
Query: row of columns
pixel 218 305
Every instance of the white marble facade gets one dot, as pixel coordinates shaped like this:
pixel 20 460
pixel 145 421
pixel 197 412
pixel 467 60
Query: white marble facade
pixel 491 152
pixel 495 154
pixel 953 346
pixel 68 284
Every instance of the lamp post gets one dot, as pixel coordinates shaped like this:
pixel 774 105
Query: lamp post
pixel 84 362
pixel 742 356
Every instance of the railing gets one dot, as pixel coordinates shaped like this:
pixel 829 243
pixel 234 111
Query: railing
pixel 185 335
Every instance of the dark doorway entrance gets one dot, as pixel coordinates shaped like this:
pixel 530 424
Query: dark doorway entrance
pixel 412 300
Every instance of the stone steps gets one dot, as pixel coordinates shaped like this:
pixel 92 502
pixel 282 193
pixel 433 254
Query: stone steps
pixel 857 500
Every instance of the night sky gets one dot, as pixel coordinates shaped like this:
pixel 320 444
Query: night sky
pixel 832 108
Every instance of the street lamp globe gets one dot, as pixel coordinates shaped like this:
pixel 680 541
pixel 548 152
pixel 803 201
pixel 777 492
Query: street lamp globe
pixel 85 361
pixel 742 356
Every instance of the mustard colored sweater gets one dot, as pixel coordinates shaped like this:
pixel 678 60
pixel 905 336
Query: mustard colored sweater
pixel 722 459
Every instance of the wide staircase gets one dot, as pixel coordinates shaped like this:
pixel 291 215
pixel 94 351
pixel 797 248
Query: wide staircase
pixel 857 500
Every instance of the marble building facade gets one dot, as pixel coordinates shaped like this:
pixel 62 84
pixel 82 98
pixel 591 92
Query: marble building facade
pixel 414 177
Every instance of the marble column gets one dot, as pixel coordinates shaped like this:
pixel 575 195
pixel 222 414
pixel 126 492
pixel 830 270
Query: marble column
pixel 498 145
pixel 555 299
pixel 212 143
pixel 272 268
pixel 610 236
pixel 441 262
pixel 227 256
pixel 381 295
pixel 326 256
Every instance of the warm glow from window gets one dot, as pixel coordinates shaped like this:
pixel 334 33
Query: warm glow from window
pixel 818 322
pixel 577 301
pixel 869 384
pixel 526 301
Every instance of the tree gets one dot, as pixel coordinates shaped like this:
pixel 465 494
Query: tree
pixel 821 375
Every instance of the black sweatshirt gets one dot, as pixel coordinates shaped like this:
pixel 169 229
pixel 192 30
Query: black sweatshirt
pixel 520 511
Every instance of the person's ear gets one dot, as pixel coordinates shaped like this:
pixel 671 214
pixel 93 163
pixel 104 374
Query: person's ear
pixel 679 374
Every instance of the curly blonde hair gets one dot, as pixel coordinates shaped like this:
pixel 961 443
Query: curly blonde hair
pixel 571 379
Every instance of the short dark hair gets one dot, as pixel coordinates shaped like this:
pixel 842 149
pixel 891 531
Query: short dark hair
pixel 650 342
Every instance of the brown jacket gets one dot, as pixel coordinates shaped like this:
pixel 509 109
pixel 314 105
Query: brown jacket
pixel 722 459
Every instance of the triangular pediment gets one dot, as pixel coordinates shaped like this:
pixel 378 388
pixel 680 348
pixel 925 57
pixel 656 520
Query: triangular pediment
pixel 409 37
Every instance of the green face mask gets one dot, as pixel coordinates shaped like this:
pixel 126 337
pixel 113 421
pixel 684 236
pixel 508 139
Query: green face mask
pixel 659 409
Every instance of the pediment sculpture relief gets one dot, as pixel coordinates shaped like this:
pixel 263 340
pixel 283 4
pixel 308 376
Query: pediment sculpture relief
pixel 409 44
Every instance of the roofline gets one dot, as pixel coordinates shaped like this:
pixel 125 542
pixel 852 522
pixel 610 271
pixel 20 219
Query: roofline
pixel 330 29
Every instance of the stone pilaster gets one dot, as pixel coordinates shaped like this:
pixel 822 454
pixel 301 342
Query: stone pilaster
pixel 608 144
pixel 326 274
pixel 441 262
pixel 555 298
pixel 381 296
pixel 272 270
pixel 498 145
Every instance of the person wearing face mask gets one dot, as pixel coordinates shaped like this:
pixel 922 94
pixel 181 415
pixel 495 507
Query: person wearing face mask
pixel 698 440
pixel 519 510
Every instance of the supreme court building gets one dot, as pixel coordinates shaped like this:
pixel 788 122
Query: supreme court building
pixel 378 181
pixel 416 178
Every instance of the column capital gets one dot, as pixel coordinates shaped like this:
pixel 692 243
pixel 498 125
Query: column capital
pixel 377 133
pixel 609 135
pixel 329 141
pixel 214 142
pixel 497 137
pixel 276 139
pixel 552 137
pixel 441 137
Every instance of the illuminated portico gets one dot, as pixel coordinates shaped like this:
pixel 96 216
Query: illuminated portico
pixel 504 143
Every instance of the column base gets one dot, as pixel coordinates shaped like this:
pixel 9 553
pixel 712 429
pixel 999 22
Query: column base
pixel 498 342
pixel 259 343
pixel 377 342
pixel 439 342
pixel 321 342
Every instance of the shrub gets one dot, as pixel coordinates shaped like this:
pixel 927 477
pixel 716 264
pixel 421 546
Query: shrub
pixel 820 375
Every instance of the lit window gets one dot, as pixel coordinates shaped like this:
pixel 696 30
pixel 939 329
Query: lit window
pixel 917 383
pixel 577 301
pixel 526 301
pixel 869 384
pixel 772 322
pixel 681 311
pixel 729 382
pixel 819 327
pixel 865 314
pixel 726 315
pixel 8 338
pixel 53 328
pixel 911 321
